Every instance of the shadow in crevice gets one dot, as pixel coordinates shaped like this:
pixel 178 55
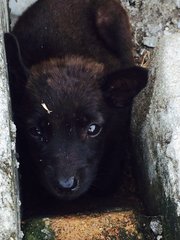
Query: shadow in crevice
pixel 38 203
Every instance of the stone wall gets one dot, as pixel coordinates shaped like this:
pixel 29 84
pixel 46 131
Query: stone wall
pixel 150 20
pixel 9 196
pixel 156 135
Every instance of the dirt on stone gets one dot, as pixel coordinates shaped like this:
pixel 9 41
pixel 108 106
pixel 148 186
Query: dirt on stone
pixel 105 226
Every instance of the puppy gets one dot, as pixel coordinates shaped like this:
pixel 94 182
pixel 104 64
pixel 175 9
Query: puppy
pixel 72 79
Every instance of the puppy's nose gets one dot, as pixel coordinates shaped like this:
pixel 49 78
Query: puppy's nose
pixel 68 183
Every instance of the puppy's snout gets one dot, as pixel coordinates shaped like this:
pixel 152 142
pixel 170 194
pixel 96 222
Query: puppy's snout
pixel 70 183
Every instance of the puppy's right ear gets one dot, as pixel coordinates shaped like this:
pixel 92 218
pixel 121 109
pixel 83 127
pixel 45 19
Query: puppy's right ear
pixel 15 62
pixel 18 72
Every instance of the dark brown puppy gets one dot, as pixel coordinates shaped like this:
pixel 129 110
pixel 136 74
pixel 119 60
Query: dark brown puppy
pixel 74 81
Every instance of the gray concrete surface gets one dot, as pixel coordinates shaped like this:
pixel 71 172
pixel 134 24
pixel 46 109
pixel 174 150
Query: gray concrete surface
pixel 156 134
pixel 17 7
pixel 150 20
pixel 9 196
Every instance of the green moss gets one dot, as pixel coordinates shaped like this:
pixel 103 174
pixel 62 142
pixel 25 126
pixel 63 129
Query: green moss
pixel 123 235
pixel 37 230
pixel 171 227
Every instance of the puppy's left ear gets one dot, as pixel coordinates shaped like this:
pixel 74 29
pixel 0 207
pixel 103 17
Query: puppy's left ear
pixel 122 86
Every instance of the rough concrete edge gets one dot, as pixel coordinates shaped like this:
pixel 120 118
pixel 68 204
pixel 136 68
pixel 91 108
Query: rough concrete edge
pixel 157 199
pixel 9 188
pixel 168 71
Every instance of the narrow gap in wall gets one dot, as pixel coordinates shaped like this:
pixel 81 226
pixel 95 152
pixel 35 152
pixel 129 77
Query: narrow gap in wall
pixel 36 202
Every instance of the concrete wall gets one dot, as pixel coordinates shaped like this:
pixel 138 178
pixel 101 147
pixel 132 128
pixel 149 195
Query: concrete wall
pixel 9 195
pixel 17 7
pixel 151 19
pixel 156 135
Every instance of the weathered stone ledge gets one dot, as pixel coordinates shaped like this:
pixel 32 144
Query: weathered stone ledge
pixel 156 135
pixel 9 196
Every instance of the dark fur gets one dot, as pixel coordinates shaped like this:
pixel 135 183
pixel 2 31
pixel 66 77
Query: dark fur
pixel 76 57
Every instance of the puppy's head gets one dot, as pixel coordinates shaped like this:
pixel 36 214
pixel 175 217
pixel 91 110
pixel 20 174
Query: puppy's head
pixel 65 113
pixel 64 117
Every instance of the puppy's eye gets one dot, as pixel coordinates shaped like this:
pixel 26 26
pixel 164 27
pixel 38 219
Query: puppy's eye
pixel 94 130
pixel 35 132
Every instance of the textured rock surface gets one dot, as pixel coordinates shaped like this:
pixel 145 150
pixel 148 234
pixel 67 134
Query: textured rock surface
pixel 151 20
pixel 9 205
pixel 156 134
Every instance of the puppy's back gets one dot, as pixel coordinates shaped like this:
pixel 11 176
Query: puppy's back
pixel 57 28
